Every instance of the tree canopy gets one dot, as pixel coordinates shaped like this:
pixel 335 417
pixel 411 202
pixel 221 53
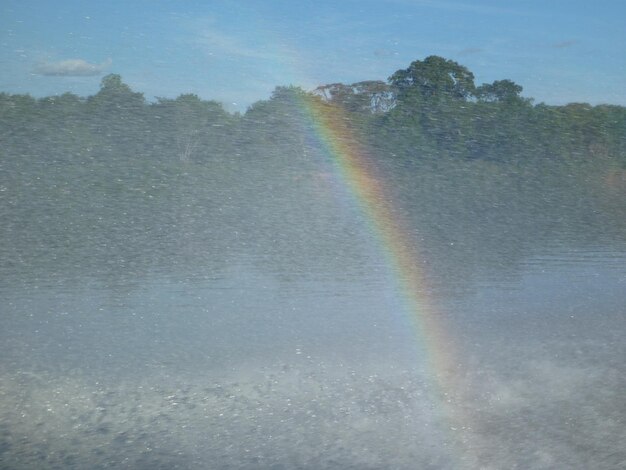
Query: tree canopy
pixel 432 108
pixel 434 77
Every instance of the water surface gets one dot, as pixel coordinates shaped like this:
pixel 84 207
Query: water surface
pixel 247 318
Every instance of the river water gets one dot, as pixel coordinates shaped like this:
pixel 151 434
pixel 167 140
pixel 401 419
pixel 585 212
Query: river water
pixel 249 319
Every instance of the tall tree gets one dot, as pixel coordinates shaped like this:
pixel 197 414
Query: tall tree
pixel 118 115
pixel 434 77
pixel 114 93
pixel 432 103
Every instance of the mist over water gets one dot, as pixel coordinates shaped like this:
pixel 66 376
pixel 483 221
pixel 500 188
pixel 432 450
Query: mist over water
pixel 241 315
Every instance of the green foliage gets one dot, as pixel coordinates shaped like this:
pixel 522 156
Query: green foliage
pixel 430 109
pixel 115 94
pixel 189 127
pixel 434 78
pixel 500 91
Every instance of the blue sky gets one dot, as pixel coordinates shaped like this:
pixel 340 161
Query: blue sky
pixel 236 52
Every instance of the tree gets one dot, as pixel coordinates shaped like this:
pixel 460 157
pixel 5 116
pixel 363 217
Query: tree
pixel 367 97
pixel 117 104
pixel 194 123
pixel 279 119
pixel 500 91
pixel 432 107
pixel 434 77
pixel 113 90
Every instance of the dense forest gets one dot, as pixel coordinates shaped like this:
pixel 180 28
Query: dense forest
pixel 431 109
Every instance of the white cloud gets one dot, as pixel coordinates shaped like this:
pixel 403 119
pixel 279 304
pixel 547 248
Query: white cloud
pixel 72 68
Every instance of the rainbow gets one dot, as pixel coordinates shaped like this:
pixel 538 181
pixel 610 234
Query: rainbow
pixel 356 169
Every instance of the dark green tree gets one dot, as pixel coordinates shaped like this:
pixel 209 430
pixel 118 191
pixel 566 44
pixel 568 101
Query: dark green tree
pixel 434 77
pixel 500 91
pixel 118 116
pixel 114 93
pixel 432 105
pixel 193 126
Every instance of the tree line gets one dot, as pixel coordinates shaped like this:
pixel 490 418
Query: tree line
pixel 430 109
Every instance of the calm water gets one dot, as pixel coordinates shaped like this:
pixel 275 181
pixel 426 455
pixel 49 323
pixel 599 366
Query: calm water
pixel 238 322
